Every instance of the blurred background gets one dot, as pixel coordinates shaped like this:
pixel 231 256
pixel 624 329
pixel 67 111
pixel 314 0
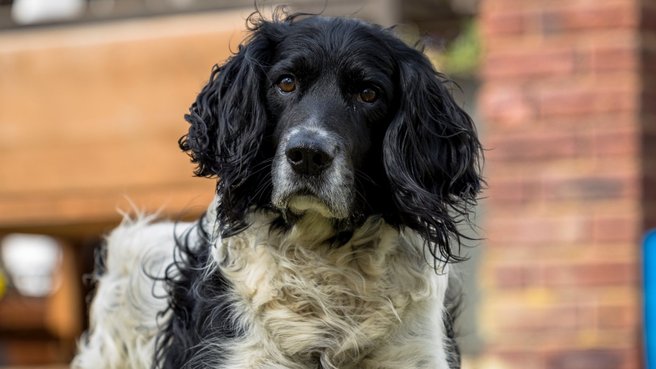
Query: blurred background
pixel 92 94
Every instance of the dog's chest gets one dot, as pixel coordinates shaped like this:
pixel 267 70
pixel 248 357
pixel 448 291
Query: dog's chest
pixel 307 301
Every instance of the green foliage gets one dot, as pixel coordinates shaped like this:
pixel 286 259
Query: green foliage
pixel 462 56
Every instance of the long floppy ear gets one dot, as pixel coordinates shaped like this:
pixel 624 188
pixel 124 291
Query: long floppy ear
pixel 228 117
pixel 431 157
pixel 227 125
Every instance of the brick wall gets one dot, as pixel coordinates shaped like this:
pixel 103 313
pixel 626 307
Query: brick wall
pixel 569 101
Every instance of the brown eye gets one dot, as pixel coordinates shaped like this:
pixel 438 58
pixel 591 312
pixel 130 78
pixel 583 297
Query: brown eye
pixel 368 95
pixel 286 83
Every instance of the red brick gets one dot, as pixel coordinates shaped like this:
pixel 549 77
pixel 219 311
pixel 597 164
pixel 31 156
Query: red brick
pixel 613 229
pixel 508 192
pixel 634 358
pixel 581 101
pixel 507 106
pixel 537 230
pixel 618 316
pixel 524 359
pixel 586 359
pixel 623 140
pixel 535 145
pixel 531 63
pixel 609 58
pixel 543 319
pixel 589 18
pixel 516 276
pixel 543 342
pixel 504 23
pixel 512 192
pixel 594 274
pixel 589 187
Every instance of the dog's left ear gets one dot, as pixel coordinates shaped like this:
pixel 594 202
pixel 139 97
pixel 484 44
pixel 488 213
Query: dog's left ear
pixel 432 156
pixel 228 118
pixel 228 121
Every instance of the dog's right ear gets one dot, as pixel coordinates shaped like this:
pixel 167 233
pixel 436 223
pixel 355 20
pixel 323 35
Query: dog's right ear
pixel 228 117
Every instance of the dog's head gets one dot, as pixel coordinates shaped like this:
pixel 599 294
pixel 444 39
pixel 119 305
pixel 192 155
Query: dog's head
pixel 338 117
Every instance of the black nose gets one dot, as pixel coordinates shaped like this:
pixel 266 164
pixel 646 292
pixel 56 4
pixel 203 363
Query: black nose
pixel 308 159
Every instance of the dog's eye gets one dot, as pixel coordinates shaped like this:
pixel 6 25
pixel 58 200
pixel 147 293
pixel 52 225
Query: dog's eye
pixel 286 83
pixel 368 95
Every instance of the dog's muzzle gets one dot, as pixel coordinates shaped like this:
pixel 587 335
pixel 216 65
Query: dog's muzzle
pixel 311 173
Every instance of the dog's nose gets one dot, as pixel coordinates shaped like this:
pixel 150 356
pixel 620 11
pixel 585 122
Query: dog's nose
pixel 307 156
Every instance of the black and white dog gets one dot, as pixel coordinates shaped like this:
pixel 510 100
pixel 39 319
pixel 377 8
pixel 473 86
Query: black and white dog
pixel 345 167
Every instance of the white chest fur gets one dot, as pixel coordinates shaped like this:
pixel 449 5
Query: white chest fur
pixel 366 304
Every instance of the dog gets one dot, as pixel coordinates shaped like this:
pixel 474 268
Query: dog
pixel 344 168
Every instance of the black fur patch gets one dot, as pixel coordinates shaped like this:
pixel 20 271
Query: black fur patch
pixel 198 305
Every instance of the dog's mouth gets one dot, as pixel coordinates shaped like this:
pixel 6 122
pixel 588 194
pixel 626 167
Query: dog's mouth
pixel 326 197
pixel 303 201
pixel 302 204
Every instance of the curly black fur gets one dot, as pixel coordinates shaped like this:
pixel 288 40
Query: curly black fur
pixel 198 305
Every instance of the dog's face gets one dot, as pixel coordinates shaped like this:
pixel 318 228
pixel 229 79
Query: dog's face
pixel 337 117
pixel 329 99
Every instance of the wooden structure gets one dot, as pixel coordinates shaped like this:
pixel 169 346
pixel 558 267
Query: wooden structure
pixel 90 118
